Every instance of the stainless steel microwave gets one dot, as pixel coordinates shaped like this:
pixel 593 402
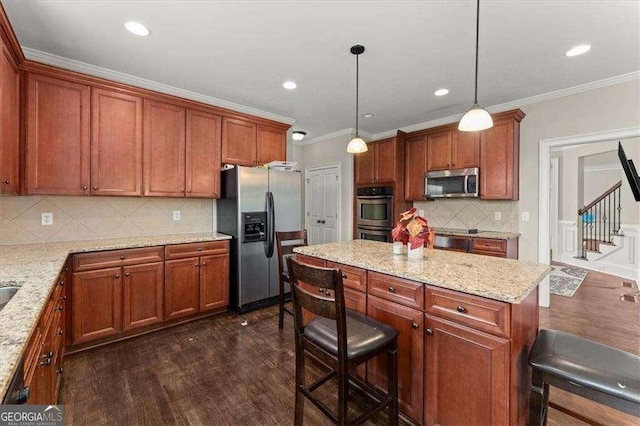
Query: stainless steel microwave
pixel 452 183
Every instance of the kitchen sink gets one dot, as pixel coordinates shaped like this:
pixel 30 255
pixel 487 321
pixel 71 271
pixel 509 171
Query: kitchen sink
pixel 6 293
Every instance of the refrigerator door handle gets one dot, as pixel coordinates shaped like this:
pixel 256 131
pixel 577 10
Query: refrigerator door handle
pixel 271 225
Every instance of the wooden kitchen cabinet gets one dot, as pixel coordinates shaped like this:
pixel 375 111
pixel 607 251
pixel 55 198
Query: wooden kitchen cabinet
pixel 116 143
pixel 58 131
pixel 164 149
pixel 439 150
pixel 409 323
pixel 271 145
pixel 466 375
pixel 415 166
pixel 181 288
pixel 364 165
pixel 500 156
pixel 382 162
pixel 9 122
pixel 452 149
pixel 239 139
pixel 143 295
pixel 203 154
pixel 214 279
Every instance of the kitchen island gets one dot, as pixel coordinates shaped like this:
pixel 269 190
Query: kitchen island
pixel 466 323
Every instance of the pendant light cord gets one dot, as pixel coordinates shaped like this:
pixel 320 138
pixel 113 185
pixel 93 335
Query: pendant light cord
pixel 475 98
pixel 357 89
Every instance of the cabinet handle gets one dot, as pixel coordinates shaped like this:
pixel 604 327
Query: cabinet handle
pixel 189 191
pixel 127 274
pixel 182 190
pixel 59 370
pixel 344 276
pixel 197 264
pixel 203 264
pixel 392 289
pixel 6 182
pixel 461 309
pixel 61 283
pixel 95 188
pixel 199 248
pixel 59 332
pixel 59 308
pixel 85 187
pixel 321 290
pixel 63 298
pixel 429 331
pixel 117 275
pixel 46 358
pixel 414 325
pixel 121 257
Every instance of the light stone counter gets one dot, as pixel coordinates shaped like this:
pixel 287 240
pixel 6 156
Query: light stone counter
pixel 34 268
pixel 506 280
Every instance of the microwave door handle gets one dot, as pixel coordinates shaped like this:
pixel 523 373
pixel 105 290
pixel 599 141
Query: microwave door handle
pixel 466 184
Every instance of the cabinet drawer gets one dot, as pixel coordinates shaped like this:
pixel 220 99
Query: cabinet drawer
pixel 180 251
pixel 476 312
pixel 490 253
pixel 313 261
pixel 355 300
pixel 482 244
pixel 405 292
pixel 354 278
pixel 114 258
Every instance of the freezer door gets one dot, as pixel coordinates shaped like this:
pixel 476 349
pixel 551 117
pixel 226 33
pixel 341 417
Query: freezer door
pixel 286 188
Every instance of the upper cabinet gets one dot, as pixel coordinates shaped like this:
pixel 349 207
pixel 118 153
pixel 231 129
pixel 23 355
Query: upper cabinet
pixel 500 156
pixel 203 154
pixel 57 136
pixel 452 149
pixel 116 143
pixel 365 165
pixel 439 150
pixel 9 122
pixel 382 163
pixel 415 166
pixel 245 143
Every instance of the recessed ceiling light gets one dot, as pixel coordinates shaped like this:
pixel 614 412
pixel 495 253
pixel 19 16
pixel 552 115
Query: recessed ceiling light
pixel 137 28
pixel 578 50
pixel 289 85
pixel 298 135
pixel 368 115
pixel 441 92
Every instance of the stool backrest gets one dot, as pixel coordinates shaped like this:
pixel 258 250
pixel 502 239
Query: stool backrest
pixel 286 241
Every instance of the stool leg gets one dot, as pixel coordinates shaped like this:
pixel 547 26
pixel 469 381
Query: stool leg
pixel 539 400
pixel 343 393
pixel 392 383
pixel 299 410
pixel 281 304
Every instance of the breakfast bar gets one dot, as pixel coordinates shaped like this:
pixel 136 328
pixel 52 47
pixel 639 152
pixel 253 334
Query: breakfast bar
pixel 467 323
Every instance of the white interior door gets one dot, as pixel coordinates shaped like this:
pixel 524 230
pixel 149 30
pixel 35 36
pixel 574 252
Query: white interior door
pixel 323 200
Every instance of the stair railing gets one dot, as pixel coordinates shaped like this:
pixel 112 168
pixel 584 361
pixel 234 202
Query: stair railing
pixel 599 221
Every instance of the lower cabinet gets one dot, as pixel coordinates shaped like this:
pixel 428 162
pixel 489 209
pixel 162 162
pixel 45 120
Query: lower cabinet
pixel 143 298
pixel 466 375
pixel 182 287
pixel 214 279
pixel 408 322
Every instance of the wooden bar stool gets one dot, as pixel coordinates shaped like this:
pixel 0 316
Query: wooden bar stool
pixel 594 371
pixel 286 241
pixel 341 339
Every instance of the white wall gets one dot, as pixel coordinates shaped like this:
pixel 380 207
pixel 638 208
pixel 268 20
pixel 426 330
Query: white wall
pixel 332 151
pixel 607 108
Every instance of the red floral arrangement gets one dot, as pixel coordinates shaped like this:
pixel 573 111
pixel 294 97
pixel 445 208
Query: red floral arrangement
pixel 413 230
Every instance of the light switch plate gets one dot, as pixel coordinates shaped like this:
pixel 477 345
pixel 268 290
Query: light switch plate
pixel 497 216
pixel 46 219
pixel 176 215
pixel 421 213
pixel 525 216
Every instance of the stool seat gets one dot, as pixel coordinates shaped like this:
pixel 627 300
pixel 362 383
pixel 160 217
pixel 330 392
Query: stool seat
pixel 364 335
pixel 587 364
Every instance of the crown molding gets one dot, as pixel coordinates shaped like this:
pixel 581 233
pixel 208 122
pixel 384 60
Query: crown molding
pixel 602 167
pixel 96 71
pixel 350 131
pixel 507 106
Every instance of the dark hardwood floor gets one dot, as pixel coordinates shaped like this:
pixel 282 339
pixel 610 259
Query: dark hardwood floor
pixel 217 372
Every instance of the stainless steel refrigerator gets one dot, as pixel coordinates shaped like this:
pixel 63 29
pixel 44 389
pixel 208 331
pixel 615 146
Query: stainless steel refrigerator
pixel 256 203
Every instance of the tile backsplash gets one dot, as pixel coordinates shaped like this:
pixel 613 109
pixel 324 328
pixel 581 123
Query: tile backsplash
pixel 471 213
pixel 89 218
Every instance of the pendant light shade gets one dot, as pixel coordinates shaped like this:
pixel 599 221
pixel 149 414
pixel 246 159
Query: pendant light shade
pixel 477 118
pixel 357 144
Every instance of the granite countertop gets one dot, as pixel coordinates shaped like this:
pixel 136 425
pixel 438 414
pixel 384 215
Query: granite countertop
pixel 481 234
pixel 34 268
pixel 506 280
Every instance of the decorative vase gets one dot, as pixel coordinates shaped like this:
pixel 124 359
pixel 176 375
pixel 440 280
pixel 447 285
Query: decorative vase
pixel 397 247
pixel 417 253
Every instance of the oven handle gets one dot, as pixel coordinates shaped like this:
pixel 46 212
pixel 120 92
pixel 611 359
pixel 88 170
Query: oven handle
pixel 375 197
pixel 373 228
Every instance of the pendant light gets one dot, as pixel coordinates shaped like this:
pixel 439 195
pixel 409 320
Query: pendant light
pixel 477 118
pixel 357 144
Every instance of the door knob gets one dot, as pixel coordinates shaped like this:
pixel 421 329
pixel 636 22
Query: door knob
pixel 323 221
pixel 318 221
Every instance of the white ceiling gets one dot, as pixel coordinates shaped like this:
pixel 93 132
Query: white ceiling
pixel 243 51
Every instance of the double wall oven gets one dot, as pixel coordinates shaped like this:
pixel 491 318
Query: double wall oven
pixel 374 213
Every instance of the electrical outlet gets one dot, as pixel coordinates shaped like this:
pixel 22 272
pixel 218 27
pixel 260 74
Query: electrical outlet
pixel 421 213
pixel 525 216
pixel 46 219
pixel 176 215
pixel 497 216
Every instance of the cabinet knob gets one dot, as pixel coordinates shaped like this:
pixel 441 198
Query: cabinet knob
pixel 59 308
pixel 59 332
pixel 203 264
pixel 6 182
pixel 392 289
pixel 127 274
pixel 199 248
pixel 429 331
pixel 414 325
pixel 321 290
pixel 182 190
pixel 95 188
pixel 59 370
pixel 121 257
pixel 197 264
pixel 344 276
pixel 461 309
pixel 63 298
pixel 189 191
pixel 61 283
pixel 85 187
pixel 117 275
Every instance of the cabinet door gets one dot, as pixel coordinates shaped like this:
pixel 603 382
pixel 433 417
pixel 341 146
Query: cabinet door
pixel 466 375
pixel 214 282
pixel 57 136
pixel 415 167
pixel 181 287
pixel 9 122
pixel 272 145
pixel 465 149
pixel 408 322
pixel 499 162
pixel 203 155
pixel 385 159
pixel 96 304
pixel 143 299
pixel 116 143
pixel 164 138
pixel 238 142
pixel 365 166
pixel 439 150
